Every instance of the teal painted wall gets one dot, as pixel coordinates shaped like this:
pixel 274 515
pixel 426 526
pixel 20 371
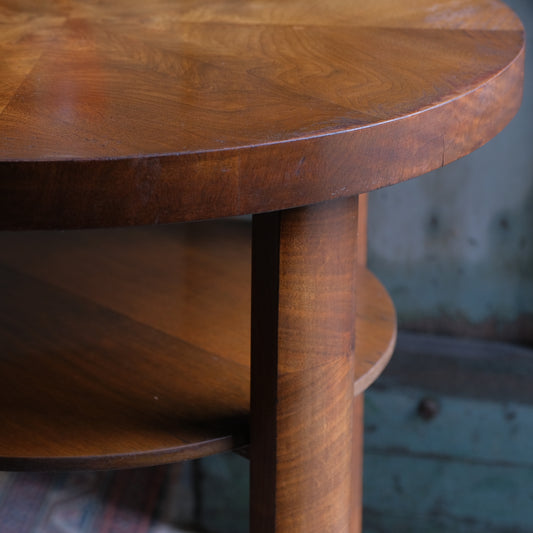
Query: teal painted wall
pixel 455 247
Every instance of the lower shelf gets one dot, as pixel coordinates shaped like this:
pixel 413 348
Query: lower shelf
pixel 130 347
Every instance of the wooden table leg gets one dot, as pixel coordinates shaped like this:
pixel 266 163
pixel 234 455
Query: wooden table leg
pixel 359 400
pixel 357 464
pixel 303 316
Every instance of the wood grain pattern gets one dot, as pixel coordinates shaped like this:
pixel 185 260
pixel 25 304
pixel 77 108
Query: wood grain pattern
pixel 303 357
pixel 356 524
pixel 94 325
pixel 131 113
pixel 84 387
pixel 127 113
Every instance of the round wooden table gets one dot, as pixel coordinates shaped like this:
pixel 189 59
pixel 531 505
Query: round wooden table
pixel 128 347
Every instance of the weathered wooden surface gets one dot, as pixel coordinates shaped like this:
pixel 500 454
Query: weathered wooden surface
pixel 465 465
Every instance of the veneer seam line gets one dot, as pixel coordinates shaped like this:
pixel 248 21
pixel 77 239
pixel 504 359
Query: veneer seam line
pixel 15 92
pixel 83 298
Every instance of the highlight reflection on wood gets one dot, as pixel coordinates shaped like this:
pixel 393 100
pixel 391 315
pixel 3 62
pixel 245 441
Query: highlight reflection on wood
pixel 170 111
pixel 121 349
pixel 131 346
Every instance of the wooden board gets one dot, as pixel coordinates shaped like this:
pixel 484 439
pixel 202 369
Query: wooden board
pixel 468 468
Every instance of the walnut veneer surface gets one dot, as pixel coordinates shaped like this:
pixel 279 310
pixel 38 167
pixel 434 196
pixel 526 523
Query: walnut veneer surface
pixel 110 359
pixel 128 112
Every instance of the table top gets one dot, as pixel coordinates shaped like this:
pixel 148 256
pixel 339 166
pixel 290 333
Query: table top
pixel 133 112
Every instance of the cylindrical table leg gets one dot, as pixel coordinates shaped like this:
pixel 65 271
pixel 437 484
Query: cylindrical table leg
pixel 303 338
pixel 357 464
pixel 359 400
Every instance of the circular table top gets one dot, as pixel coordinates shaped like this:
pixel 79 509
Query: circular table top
pixel 133 112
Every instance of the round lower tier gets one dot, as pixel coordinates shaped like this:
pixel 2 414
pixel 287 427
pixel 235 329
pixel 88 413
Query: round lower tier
pixel 130 347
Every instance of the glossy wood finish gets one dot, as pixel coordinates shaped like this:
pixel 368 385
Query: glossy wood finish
pixel 110 359
pixel 304 263
pixel 356 525
pixel 128 112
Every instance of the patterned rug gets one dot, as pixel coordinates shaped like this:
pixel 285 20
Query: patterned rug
pixel 148 500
